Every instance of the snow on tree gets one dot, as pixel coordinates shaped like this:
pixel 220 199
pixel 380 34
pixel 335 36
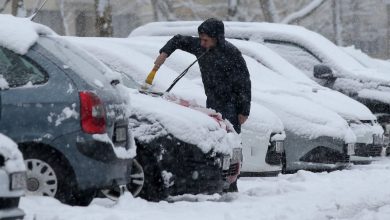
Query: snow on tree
pixel 18 9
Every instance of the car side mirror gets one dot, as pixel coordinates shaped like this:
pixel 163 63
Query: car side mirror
pixel 323 72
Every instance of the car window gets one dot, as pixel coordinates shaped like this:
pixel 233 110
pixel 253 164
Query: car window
pixel 77 60
pixel 19 70
pixel 297 55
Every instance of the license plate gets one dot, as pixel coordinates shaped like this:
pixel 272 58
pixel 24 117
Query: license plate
pixel 351 149
pixel 226 163
pixel 377 139
pixel 18 181
pixel 120 134
pixel 279 146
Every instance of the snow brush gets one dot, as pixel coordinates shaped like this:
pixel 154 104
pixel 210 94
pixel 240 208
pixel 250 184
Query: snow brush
pixel 149 79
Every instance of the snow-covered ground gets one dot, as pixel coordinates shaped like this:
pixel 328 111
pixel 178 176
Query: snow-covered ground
pixel 357 193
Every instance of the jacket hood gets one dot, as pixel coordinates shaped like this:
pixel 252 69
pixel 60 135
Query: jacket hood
pixel 213 28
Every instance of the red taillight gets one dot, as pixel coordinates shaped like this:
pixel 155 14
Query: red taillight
pixel 93 119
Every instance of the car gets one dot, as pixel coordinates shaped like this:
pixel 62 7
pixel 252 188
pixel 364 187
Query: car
pixel 65 111
pixel 12 179
pixel 308 129
pixel 182 147
pixel 371 140
pixel 262 135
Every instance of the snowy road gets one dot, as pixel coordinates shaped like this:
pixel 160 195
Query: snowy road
pixel 361 192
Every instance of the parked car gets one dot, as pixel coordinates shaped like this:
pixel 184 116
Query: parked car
pixel 12 179
pixel 65 111
pixel 182 147
pixel 370 140
pixel 308 129
pixel 262 134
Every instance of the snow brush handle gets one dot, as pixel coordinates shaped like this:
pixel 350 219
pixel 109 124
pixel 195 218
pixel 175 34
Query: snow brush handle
pixel 149 79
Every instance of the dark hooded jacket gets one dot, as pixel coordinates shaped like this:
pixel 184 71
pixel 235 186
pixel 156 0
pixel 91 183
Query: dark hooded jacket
pixel 224 72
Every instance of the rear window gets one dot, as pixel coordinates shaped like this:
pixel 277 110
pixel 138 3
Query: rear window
pixel 78 60
pixel 19 70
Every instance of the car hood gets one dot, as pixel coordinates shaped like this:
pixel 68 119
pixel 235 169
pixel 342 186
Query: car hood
pixel 160 117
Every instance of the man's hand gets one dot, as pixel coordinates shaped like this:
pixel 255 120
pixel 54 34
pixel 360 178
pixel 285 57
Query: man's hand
pixel 160 60
pixel 242 119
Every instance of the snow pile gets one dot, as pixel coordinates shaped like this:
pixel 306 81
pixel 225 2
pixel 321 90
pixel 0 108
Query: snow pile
pixel 13 157
pixel 19 34
pixel 356 194
pixel 184 123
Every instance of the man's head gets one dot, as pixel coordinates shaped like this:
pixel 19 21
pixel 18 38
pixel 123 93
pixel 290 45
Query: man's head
pixel 211 32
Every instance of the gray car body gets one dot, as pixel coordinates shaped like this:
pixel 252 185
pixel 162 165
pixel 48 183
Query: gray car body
pixel 38 116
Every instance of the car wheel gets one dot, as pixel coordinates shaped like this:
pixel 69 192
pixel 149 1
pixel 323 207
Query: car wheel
pixel 153 187
pixel 233 187
pixel 137 179
pixel 49 175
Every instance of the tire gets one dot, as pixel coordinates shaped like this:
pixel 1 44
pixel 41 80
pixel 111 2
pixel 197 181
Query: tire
pixel 153 187
pixel 233 187
pixel 50 175
pixel 137 179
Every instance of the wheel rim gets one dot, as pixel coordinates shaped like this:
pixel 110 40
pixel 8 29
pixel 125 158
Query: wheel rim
pixel 135 186
pixel 41 178
pixel 137 178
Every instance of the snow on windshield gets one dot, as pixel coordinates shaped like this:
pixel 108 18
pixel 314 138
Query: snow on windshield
pixel 19 34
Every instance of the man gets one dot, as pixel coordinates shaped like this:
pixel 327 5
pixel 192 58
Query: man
pixel 224 72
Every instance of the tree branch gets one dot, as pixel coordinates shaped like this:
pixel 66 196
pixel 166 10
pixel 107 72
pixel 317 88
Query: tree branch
pixel 304 12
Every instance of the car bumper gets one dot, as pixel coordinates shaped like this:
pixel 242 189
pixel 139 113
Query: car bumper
pixel 94 162
pixel 9 208
pixel 368 150
pixel 318 154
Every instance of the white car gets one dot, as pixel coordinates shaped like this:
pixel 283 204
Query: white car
pixel 12 179
pixel 370 139
pixel 262 135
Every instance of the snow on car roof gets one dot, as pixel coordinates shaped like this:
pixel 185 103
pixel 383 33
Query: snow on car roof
pixel 19 34
pixel 13 157
pixel 343 64
pixel 367 61
pixel 281 96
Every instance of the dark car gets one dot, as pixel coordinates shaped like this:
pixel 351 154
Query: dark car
pixel 69 120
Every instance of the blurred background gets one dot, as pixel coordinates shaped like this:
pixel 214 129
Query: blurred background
pixel 365 24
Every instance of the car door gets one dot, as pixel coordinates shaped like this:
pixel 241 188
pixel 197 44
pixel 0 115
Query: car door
pixel 33 108
pixel 296 54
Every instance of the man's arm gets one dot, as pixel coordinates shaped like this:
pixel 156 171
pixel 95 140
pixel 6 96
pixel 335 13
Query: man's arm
pixel 242 87
pixel 185 43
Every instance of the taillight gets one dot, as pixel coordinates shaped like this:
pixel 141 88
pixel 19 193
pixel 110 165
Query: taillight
pixel 93 119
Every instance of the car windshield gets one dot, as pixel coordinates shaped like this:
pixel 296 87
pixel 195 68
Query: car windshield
pixel 79 61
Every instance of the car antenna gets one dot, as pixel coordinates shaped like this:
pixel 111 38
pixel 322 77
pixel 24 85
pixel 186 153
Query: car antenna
pixel 36 12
